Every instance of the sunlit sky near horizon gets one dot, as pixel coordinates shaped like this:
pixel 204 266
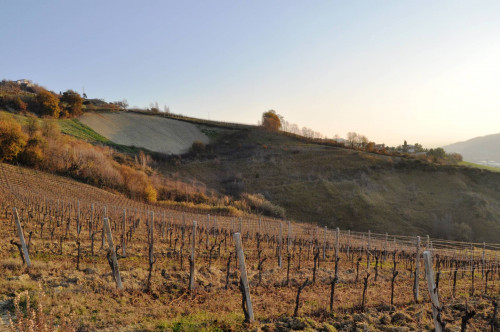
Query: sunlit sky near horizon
pixel 421 71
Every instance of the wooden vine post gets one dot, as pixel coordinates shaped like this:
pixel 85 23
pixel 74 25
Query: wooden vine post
pixel 207 230
pixel 417 270
pixel 436 307
pixel 191 260
pixel 324 243
pixel 21 238
pixel 348 242
pixel 244 277
pixel 103 230
pixel 151 257
pixel 279 245
pixel 289 236
pixel 385 246
pixel 91 222
pixel 78 227
pixel 368 248
pixel 483 260
pixel 337 244
pixel 116 271
pixel 124 233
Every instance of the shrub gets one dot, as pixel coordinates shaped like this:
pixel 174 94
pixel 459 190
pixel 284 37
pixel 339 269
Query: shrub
pixel 204 208
pixel 12 139
pixel 258 203
pixel 50 129
pixel 138 184
pixel 33 153
pixel 48 103
pixel 197 147
pixel 19 105
pixel 72 102
pixel 150 194
pixel 32 124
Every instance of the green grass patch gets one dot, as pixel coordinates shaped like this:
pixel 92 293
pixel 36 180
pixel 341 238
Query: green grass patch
pixel 202 321
pixel 77 129
pixel 16 116
pixel 473 165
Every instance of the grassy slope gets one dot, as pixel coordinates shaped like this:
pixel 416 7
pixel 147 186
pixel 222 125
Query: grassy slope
pixel 77 129
pixel 351 189
pixel 473 165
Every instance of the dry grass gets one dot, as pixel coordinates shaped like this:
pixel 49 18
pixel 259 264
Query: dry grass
pixel 351 189
pixel 89 298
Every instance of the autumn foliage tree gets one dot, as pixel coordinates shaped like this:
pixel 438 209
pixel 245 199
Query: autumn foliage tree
pixel 271 121
pixel 48 103
pixel 12 139
pixel 71 102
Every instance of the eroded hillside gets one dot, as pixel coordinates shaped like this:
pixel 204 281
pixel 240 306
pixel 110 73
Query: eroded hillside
pixel 351 189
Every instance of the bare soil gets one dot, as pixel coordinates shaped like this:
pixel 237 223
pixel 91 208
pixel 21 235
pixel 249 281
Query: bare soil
pixel 151 132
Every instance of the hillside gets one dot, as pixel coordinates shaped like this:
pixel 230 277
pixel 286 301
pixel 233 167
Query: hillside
pixel 484 148
pixel 335 186
pixel 351 189
pixel 153 133
pixel 245 169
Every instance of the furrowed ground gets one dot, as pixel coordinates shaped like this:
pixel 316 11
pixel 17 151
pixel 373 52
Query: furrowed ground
pixel 71 277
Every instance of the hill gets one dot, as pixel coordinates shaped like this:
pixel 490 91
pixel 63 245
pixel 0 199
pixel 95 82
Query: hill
pixel 478 149
pixel 245 169
pixel 334 186
pixel 351 189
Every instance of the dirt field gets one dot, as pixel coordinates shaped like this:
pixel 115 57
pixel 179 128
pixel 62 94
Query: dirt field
pixel 150 132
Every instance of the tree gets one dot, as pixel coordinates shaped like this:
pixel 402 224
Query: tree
pixel 153 107
pixel 123 104
pixel 12 139
pixel 49 103
pixel 419 147
pixel 72 102
pixel 285 125
pixel 33 152
pixel 352 138
pixel 370 147
pixel 363 140
pixel 405 146
pixel 437 154
pixel 271 121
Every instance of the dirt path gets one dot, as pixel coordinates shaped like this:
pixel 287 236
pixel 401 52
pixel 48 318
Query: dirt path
pixel 151 132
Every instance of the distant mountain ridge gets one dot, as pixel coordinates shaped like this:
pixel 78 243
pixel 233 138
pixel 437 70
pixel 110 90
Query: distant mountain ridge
pixel 478 149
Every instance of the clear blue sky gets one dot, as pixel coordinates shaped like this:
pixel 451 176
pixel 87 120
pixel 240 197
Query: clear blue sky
pixel 424 71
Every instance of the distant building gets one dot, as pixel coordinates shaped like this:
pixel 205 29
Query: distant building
pixel 24 82
pixel 340 140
